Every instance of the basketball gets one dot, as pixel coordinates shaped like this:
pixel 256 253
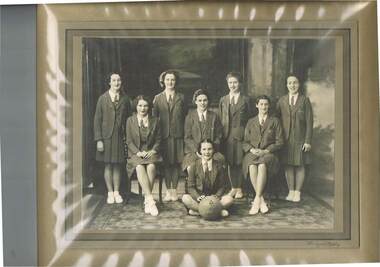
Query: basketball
pixel 210 208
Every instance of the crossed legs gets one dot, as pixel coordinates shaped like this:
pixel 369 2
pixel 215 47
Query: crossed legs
pixel 258 177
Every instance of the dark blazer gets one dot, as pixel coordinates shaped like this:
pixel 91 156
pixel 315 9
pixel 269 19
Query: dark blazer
pixel 301 118
pixel 193 130
pixel 269 136
pixel 239 118
pixel 133 134
pixel 106 115
pixel 218 177
pixel 171 120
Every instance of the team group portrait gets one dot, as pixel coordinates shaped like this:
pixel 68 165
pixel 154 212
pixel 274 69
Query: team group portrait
pixel 209 133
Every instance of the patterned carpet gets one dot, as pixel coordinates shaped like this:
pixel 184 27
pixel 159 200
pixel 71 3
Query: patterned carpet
pixel 310 213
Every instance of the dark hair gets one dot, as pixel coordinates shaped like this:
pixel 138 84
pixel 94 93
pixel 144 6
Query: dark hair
pixel 162 77
pixel 200 92
pixel 109 74
pixel 262 97
pixel 207 140
pixel 142 97
pixel 236 75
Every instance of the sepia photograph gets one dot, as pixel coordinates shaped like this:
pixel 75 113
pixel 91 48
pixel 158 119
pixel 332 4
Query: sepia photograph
pixel 195 128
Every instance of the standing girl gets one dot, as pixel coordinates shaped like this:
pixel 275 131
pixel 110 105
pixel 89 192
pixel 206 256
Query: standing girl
pixel 111 112
pixel 297 121
pixel 169 106
pixel 235 111
pixel 201 124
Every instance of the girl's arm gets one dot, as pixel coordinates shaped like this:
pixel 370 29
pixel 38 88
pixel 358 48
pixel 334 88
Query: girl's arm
pixel 131 145
pixel 98 121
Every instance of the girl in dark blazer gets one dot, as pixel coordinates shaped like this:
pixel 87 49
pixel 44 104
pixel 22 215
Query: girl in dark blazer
pixel 235 110
pixel 296 116
pixel 143 140
pixel 207 177
pixel 201 124
pixel 262 139
pixel 169 106
pixel 111 112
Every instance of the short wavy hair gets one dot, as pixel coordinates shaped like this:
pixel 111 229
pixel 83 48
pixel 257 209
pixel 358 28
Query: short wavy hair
pixel 200 92
pixel 236 75
pixel 161 78
pixel 142 97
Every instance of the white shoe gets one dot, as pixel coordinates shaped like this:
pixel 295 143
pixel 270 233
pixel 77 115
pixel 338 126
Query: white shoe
pixel 150 206
pixel 168 195
pixel 239 193
pixel 118 198
pixel 193 212
pixel 297 196
pixel 233 191
pixel 290 196
pixel 174 196
pixel 224 213
pixel 263 206
pixel 255 206
pixel 153 209
pixel 110 198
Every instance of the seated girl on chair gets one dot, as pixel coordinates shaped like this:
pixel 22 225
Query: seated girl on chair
pixel 143 140
pixel 262 138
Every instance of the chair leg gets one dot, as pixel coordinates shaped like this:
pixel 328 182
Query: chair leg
pixel 160 180
pixel 141 196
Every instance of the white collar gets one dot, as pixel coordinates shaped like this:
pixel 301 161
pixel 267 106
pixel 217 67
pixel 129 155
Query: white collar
pixel 295 98
pixel 235 96
pixel 145 120
pixel 204 113
pixel 209 164
pixel 262 117
pixel 168 94
pixel 113 95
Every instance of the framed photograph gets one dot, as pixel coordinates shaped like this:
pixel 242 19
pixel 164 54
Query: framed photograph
pixel 327 48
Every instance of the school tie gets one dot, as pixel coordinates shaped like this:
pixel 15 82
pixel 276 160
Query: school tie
pixel 262 122
pixel 203 117
pixel 292 100
pixel 142 123
pixel 232 100
pixel 207 183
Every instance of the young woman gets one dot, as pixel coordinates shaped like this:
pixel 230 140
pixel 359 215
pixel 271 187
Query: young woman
pixel 169 106
pixel 111 112
pixel 143 140
pixel 296 116
pixel 234 111
pixel 201 124
pixel 262 139
pixel 207 177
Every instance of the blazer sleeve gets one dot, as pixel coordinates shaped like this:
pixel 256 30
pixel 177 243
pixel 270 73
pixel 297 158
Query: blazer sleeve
pixel 155 110
pixel 190 145
pixel 246 144
pixel 191 183
pixel 218 131
pixel 309 121
pixel 279 137
pixel 157 138
pixel 98 120
pixel 131 145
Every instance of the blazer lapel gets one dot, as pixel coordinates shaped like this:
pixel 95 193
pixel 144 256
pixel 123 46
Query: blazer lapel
pixel 109 100
pixel 135 124
pixel 266 123
pixel 300 99
pixel 239 104
pixel 151 125
pixel 175 100
pixel 213 173
pixel 195 119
